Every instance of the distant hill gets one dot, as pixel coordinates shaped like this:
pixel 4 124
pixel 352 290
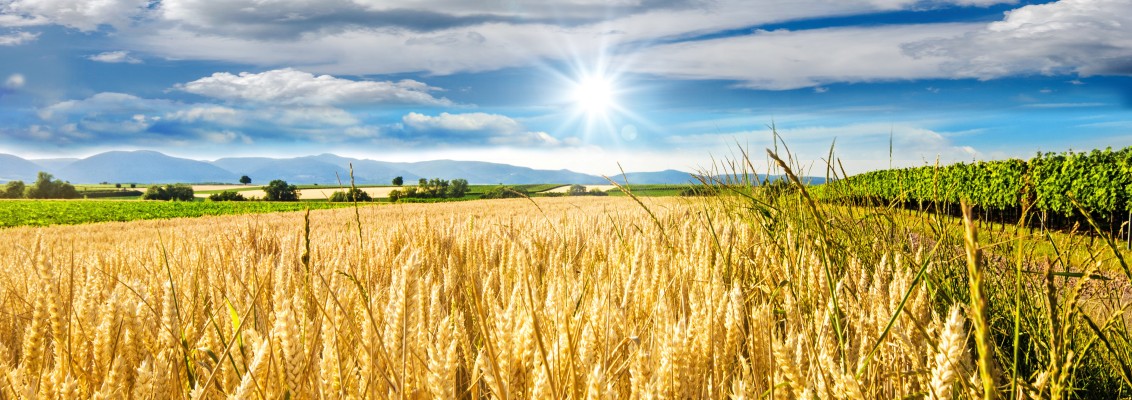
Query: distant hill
pixel 668 176
pixel 314 169
pixel 153 167
pixel 53 164
pixel 13 168
pixel 491 173
pixel 143 167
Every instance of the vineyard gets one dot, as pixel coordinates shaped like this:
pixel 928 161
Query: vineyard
pixel 1056 186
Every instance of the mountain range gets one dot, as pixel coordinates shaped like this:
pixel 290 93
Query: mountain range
pixel 153 167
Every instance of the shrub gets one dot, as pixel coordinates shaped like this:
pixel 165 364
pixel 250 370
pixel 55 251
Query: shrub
pixel 354 194
pixel 175 192
pixel 14 190
pixel 227 195
pixel 505 192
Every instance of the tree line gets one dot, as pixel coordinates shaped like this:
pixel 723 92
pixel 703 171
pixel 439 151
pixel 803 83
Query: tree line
pixel 45 187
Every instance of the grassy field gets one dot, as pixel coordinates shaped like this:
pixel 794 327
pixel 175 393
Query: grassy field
pixel 68 212
pixel 596 297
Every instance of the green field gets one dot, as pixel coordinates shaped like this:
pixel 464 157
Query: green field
pixel 70 212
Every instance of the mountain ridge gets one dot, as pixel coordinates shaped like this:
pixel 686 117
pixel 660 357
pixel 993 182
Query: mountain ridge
pixel 147 166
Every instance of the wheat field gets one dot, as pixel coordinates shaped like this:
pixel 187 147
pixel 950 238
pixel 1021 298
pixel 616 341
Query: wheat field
pixel 510 299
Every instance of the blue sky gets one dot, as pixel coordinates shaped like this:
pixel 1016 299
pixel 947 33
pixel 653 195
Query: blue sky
pixel 574 84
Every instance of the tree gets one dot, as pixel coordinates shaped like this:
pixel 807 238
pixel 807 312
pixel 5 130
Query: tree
pixel 117 185
pixel 14 190
pixel 576 190
pixel 169 192
pixel 279 190
pixel 458 188
pixel 46 187
pixel 394 196
pixel 398 181
pixel 245 180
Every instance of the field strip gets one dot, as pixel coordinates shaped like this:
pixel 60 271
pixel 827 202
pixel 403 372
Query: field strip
pixel 564 189
pixel 307 194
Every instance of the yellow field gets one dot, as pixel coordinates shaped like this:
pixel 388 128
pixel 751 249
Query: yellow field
pixel 572 298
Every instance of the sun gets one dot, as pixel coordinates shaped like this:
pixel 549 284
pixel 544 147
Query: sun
pixel 594 94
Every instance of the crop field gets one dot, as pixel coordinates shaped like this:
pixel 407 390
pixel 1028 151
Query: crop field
pixel 68 212
pixel 611 297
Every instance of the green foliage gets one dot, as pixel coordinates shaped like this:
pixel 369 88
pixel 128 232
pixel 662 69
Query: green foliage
pixel 458 188
pixel 245 179
pixel 52 212
pixel 279 190
pixel 102 194
pixel 505 192
pixel 13 190
pixel 398 181
pixel 227 195
pixel 699 190
pixel 434 188
pixel 46 187
pixel 1100 180
pixel 175 192
pixel 351 195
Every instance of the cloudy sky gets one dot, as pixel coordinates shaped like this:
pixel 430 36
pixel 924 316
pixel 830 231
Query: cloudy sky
pixel 577 84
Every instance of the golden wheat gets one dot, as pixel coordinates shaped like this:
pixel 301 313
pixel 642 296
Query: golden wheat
pixel 566 298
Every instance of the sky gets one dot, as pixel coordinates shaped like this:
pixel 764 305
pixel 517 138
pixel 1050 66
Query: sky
pixel 586 85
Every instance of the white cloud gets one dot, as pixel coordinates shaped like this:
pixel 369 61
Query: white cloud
pixel 1086 37
pixel 476 128
pixel 115 57
pixel 17 38
pixel 14 21
pixel 450 36
pixel 15 81
pixel 85 15
pixel 292 87
pixel 780 60
pixel 106 103
pixel 205 113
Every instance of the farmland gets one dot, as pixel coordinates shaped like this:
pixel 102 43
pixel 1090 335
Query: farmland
pixel 712 297
pixel 67 212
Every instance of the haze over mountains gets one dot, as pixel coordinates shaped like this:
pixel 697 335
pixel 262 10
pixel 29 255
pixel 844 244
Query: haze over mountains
pixel 154 167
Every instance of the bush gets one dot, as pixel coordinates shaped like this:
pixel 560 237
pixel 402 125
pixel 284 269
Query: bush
pixel 354 194
pixel 279 190
pixel 175 192
pixel 102 194
pixel 14 190
pixel 227 195
pixel 505 192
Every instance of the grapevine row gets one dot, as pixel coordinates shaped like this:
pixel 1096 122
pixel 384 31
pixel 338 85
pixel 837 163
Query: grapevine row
pixel 1100 181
